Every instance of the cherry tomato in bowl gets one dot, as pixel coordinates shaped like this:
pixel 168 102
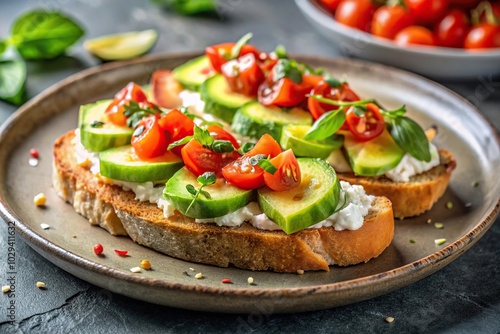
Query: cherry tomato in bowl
pixel 389 20
pixel 451 29
pixel 426 11
pixel 355 13
pixel 483 36
pixel 415 35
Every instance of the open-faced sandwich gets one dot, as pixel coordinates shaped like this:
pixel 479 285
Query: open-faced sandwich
pixel 240 177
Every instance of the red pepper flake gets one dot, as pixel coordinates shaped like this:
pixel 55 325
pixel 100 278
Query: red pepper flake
pixel 121 252
pixel 98 249
pixel 226 281
pixel 34 153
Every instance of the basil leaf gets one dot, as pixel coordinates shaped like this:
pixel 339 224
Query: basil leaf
pixel 246 147
pixel 206 194
pixel 281 52
pixel 235 51
pixel 191 189
pixel 410 137
pixel 3 46
pixel 395 113
pixel 41 34
pixel 326 125
pixel 207 178
pixel 256 158
pixel 189 7
pixel 286 68
pixel 333 82
pixel 203 137
pixel 180 142
pixel 222 146
pixel 12 81
pixel 359 110
pixel 96 124
pixel 267 166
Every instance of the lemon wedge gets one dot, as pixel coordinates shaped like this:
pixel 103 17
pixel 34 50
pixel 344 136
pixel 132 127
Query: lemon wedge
pixel 122 46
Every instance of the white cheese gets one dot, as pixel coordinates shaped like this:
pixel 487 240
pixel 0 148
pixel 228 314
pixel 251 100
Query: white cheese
pixel 192 100
pixel 84 157
pixel 409 166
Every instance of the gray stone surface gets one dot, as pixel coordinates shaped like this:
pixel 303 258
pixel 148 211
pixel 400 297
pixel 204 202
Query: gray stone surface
pixel 464 297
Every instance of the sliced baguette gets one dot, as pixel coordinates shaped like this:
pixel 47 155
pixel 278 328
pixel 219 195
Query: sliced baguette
pixel 414 197
pixel 245 247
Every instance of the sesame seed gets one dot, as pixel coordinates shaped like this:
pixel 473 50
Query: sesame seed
pixel 135 270
pixel 429 221
pixel 40 285
pixel 5 288
pixel 198 276
pixel 250 280
pixel 389 319
pixel 449 205
pixel 40 199
pixel 145 264
pixel 45 226
pixel 300 272
pixel 192 269
pixel 439 242
pixel 73 236
pixel 438 225
pixel 33 162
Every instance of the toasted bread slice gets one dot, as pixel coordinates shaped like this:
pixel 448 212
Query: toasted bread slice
pixel 409 198
pixel 245 246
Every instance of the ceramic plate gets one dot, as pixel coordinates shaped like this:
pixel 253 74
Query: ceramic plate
pixel 434 62
pixel 69 241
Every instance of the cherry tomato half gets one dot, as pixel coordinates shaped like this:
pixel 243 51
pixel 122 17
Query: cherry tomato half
pixel 165 89
pixel 283 93
pixel 287 176
pixel 330 4
pixel 415 35
pixel 243 75
pixel 368 126
pixel 389 20
pixel 355 13
pixel 148 139
pixel 342 93
pixel 483 36
pixel 176 126
pixel 115 110
pixel 242 173
pixel 426 11
pixel 219 54
pixel 219 133
pixel 451 29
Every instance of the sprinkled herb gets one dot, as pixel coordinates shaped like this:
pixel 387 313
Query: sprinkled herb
pixel 96 124
pixel 135 112
pixel 204 179
pixel 438 225
pixel 439 242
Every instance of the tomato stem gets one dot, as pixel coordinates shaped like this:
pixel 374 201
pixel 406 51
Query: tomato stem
pixel 484 7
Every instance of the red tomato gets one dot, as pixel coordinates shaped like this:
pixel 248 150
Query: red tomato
pixel 342 93
pixel 483 36
pixel 355 13
pixel 116 108
pixel 450 30
pixel 330 4
pixel 220 53
pixel 368 126
pixel 220 134
pixel 426 11
pixel 165 89
pixel 148 139
pixel 288 174
pixel 243 75
pixel 466 4
pixel 283 93
pixel 200 160
pixel 389 20
pixel 176 126
pixel 415 35
pixel 242 174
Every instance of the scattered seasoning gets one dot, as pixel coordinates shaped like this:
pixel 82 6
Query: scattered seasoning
pixel 135 270
pixel 227 281
pixel 34 153
pixel 250 280
pixel 300 272
pixel 185 273
pixel 5 288
pixel 96 124
pixel 40 199
pixel 475 184
pixel 438 225
pixel 449 205
pixel 198 276
pixel 45 226
pixel 429 221
pixel 33 162
pixel 121 252
pixel 40 285
pixel 439 242
pixel 73 236
pixel 192 269
pixel 145 264
pixel 389 319
pixel 412 241
pixel 98 249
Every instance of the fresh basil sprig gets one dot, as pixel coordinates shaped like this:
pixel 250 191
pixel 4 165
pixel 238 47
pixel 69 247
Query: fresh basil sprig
pixel 407 134
pixel 326 125
pixel 292 69
pixel 203 137
pixel 235 51
pixel 134 113
pixel 204 180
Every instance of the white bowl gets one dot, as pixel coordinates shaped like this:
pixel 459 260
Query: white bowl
pixel 434 62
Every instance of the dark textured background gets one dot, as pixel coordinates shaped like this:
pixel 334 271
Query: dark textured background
pixel 464 297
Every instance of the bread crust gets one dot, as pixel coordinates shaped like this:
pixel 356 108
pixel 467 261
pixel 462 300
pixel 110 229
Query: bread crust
pixel 245 246
pixel 414 197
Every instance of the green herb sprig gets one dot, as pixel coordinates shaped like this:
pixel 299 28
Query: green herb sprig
pixel 263 162
pixel 135 112
pixel 205 179
pixel 203 137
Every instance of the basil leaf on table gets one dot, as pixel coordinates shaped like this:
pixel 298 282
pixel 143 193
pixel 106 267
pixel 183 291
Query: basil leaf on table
pixel 410 137
pixel 44 35
pixel 190 7
pixel 12 81
pixel 326 125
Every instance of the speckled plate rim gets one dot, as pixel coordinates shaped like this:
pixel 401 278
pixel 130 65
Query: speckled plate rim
pixel 322 14
pixel 397 277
